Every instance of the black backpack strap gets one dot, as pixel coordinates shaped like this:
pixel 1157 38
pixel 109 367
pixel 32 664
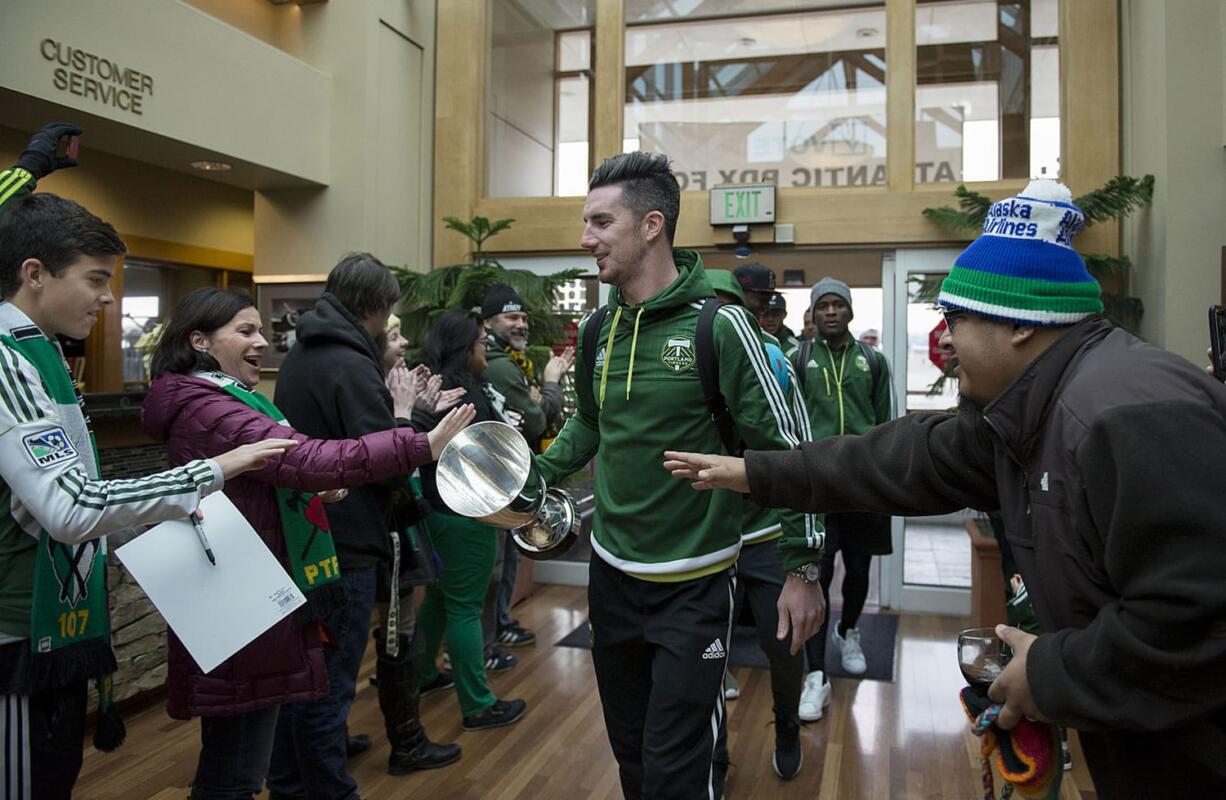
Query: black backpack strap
pixel 802 359
pixel 708 375
pixel 874 363
pixel 591 340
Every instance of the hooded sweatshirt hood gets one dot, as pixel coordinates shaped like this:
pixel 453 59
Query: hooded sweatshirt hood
pixel 329 321
pixel 691 285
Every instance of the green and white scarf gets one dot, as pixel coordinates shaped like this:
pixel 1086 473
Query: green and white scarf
pixel 308 536
pixel 70 627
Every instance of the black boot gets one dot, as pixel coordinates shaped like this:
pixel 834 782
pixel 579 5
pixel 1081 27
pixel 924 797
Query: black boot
pixel 398 696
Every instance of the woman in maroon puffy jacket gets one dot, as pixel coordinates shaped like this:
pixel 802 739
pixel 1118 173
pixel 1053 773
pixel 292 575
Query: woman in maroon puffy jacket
pixel 213 338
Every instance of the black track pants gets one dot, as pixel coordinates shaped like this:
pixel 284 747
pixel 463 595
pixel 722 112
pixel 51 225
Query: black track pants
pixel 660 650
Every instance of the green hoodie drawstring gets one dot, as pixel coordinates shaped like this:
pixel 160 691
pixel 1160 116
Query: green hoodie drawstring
pixel 634 342
pixel 608 354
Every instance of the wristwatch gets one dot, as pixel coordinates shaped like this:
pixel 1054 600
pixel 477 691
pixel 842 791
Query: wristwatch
pixel 809 573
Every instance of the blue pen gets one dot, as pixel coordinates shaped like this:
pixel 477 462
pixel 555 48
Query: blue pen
pixel 204 540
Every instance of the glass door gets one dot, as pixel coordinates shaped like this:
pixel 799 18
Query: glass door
pixel 930 570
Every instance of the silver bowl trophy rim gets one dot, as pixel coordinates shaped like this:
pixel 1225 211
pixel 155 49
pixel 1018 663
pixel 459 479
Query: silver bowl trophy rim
pixel 447 466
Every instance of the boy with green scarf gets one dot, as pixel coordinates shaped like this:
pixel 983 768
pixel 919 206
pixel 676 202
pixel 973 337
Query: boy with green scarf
pixel 56 261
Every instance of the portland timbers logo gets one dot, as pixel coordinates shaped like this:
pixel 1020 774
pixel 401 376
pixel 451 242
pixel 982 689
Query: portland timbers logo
pixel 861 363
pixel 678 354
pixel 72 566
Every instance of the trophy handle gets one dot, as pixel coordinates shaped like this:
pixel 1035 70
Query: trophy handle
pixel 555 529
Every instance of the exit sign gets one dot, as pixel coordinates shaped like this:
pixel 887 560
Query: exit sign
pixel 744 204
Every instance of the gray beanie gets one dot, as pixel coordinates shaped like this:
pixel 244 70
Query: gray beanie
pixel 830 285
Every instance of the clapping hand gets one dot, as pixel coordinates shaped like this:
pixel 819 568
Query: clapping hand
pixel 403 386
pixel 559 365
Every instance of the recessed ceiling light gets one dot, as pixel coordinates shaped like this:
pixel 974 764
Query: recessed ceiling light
pixel 747 41
pixel 211 166
pixel 866 33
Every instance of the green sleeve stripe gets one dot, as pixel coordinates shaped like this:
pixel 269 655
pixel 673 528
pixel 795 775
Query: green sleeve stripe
pixel 125 488
pixel 16 387
pixel 11 182
pixel 119 501
pixel 752 344
pixel 85 501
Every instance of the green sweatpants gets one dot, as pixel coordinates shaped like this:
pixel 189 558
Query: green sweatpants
pixel 452 607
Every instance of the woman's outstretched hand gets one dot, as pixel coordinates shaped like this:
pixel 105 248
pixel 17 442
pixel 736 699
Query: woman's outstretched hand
pixel 708 471
pixel 457 419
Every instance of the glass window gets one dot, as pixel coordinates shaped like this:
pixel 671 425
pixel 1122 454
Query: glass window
pixel 797 99
pixel 987 98
pixel 538 100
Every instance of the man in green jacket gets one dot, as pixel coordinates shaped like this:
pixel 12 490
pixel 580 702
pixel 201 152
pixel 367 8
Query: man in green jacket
pixel 847 391
pixel 662 573
pixel 538 407
pixel 760 569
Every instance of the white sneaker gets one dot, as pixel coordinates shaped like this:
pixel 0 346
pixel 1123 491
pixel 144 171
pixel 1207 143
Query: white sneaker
pixel 814 697
pixel 732 687
pixel 850 651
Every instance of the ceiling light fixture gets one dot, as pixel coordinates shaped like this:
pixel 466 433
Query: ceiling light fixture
pixel 211 166
pixel 866 33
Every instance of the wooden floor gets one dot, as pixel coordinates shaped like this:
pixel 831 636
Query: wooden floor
pixel 906 739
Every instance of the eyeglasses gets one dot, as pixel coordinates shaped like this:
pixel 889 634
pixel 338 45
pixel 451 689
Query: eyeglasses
pixel 952 318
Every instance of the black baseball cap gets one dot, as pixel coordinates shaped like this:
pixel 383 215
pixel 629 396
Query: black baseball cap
pixel 755 277
pixel 777 303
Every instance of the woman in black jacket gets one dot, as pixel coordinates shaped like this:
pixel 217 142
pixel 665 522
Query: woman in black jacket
pixel 455 349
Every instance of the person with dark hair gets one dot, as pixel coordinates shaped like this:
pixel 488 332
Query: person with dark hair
pixel 536 405
pixel 772 322
pixel 663 565
pixel 56 263
pixel 1100 452
pixel 456 349
pixel 332 385
pixel 202 400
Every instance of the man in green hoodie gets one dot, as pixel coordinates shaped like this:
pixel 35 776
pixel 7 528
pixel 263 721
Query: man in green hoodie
pixel 662 573
pixel 538 407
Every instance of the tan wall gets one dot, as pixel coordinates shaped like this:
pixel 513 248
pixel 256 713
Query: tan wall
pixel 209 85
pixel 279 26
pixel 380 54
pixel 1174 126
pixel 151 203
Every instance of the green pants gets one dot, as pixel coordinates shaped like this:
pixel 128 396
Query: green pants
pixel 453 607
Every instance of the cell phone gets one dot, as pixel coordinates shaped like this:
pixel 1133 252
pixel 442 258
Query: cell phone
pixel 68 147
pixel 1217 340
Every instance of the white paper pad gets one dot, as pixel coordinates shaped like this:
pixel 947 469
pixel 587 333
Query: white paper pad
pixel 214 610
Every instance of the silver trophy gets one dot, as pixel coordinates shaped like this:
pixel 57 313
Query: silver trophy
pixel 487 472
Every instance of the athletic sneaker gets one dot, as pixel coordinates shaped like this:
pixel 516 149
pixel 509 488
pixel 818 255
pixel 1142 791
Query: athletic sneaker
pixel 441 683
pixel 503 712
pixel 515 636
pixel 499 660
pixel 814 697
pixel 850 651
pixel 732 687
pixel 788 755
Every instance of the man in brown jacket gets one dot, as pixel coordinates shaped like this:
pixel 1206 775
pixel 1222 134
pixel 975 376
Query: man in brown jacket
pixel 1103 455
